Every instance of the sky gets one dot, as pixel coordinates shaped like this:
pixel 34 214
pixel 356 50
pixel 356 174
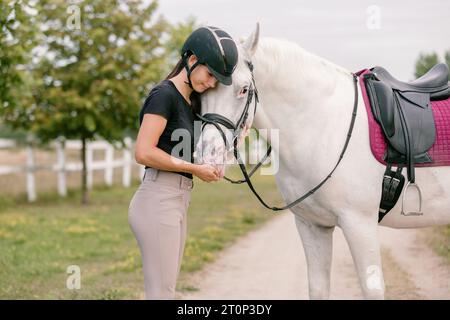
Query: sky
pixel 354 34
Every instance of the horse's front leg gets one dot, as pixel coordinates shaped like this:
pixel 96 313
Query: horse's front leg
pixel 318 246
pixel 361 233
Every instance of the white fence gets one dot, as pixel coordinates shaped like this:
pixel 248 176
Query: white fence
pixel 62 166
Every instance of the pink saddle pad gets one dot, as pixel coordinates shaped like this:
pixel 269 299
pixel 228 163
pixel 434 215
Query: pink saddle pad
pixel 439 152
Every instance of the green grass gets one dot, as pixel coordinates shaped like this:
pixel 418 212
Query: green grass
pixel 39 241
pixel 440 241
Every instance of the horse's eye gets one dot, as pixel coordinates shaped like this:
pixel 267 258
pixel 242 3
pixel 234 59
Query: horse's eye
pixel 244 90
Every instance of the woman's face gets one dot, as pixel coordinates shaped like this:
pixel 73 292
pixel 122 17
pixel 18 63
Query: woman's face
pixel 201 78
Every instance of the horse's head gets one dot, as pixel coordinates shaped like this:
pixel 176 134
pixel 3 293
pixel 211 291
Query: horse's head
pixel 228 111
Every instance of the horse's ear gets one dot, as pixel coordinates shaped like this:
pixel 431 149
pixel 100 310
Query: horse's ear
pixel 251 43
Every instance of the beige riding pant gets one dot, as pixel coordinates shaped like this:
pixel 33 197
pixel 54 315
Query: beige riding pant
pixel 158 216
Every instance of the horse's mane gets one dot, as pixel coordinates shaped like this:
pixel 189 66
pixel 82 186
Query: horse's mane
pixel 282 57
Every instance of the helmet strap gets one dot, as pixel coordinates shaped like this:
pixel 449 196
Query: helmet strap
pixel 189 70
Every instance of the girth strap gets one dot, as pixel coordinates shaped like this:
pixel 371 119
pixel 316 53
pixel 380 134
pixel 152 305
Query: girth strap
pixel 392 186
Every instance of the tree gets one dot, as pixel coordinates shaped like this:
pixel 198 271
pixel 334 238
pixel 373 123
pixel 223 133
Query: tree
pixel 424 63
pixel 17 38
pixel 178 34
pixel 101 58
pixel 447 60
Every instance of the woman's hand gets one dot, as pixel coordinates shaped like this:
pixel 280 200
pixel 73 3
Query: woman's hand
pixel 206 172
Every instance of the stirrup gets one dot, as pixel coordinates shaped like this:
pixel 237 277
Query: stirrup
pixel 412 213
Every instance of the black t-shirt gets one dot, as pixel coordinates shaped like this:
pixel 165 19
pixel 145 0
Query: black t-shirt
pixel 165 100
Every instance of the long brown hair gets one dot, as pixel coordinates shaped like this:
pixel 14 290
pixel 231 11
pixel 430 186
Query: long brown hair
pixel 196 103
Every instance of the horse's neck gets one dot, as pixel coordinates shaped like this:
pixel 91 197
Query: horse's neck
pixel 303 99
pixel 296 87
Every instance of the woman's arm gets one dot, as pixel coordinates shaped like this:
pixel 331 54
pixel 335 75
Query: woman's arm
pixel 148 154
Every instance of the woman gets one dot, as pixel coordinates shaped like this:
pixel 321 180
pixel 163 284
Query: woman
pixel 157 212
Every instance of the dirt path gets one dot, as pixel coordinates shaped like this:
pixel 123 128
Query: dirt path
pixel 269 263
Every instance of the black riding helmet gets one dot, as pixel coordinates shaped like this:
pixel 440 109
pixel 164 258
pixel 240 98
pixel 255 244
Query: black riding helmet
pixel 213 48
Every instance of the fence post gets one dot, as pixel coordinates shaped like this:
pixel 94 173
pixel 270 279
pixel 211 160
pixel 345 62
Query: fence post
pixel 109 158
pixel 126 178
pixel 61 164
pixel 31 182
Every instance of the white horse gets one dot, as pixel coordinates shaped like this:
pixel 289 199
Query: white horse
pixel 310 101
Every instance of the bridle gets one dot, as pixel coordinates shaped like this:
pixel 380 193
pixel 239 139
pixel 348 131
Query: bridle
pixel 217 119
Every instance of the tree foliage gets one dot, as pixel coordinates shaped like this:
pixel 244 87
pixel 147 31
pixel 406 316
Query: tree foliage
pixel 17 38
pixel 426 61
pixel 94 62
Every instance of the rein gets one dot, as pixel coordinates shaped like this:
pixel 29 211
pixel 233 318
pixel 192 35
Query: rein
pixel 216 119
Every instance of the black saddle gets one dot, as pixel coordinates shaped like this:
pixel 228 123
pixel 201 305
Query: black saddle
pixel 435 82
pixel 404 112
